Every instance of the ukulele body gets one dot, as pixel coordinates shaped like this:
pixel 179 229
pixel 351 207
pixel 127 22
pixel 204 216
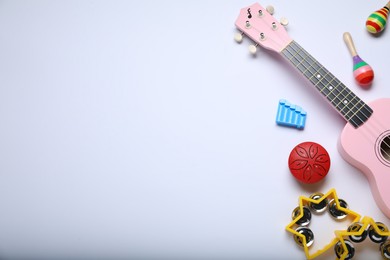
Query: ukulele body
pixel 368 149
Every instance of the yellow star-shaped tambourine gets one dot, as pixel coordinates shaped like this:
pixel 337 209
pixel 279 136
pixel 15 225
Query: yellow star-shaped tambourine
pixel 303 201
pixel 357 231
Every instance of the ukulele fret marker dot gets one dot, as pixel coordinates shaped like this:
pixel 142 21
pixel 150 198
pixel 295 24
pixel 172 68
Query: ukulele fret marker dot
pixel 330 87
pixel 345 101
pixel 318 76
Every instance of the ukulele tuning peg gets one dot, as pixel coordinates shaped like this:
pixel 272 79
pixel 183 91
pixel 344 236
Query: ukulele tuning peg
pixel 284 21
pixel 270 9
pixel 252 49
pixel 238 37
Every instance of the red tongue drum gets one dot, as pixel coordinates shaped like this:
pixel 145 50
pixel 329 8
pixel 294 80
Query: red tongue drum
pixel 362 72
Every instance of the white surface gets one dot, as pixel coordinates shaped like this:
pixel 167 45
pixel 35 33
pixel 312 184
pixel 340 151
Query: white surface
pixel 125 134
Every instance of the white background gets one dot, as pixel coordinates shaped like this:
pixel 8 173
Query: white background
pixel 141 130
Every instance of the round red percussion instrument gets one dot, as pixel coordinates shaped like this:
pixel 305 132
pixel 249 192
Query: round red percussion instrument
pixel 309 162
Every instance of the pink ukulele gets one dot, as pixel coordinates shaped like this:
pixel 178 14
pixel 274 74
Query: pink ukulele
pixel 365 140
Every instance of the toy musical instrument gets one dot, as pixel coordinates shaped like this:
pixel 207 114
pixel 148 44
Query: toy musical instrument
pixel 309 162
pixel 365 140
pixel 376 22
pixel 344 240
pixel 362 72
pixel 290 115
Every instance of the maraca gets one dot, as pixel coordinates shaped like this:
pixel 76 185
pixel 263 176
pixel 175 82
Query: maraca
pixel 362 72
pixel 376 22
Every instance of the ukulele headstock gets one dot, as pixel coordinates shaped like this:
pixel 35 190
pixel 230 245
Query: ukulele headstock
pixel 258 24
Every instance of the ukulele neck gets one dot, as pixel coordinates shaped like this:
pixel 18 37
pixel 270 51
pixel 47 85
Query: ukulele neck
pixel 350 106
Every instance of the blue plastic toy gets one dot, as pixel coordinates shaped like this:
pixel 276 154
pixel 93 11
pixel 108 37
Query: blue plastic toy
pixel 290 115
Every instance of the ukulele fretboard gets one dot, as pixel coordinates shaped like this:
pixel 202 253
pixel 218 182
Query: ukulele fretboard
pixel 350 106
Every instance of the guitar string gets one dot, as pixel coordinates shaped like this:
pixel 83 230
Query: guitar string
pixel 341 92
pixel 308 55
pixel 384 150
pixel 293 42
pixel 349 92
pixel 320 79
pixel 345 88
pixel 337 96
pixel 315 84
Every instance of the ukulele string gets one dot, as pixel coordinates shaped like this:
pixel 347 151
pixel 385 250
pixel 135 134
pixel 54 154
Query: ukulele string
pixel 379 128
pixel 279 39
pixel 344 97
pixel 341 94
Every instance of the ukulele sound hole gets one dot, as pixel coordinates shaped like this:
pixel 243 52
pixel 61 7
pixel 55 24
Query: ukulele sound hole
pixel 385 148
